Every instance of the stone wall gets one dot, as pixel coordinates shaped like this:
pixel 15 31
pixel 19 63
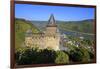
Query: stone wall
pixel 43 41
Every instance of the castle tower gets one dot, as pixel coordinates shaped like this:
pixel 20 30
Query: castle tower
pixel 52 38
pixel 51 27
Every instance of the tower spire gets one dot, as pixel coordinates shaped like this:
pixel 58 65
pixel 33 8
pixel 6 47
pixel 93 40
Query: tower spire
pixel 52 21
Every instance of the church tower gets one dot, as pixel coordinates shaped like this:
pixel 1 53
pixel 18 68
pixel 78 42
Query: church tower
pixel 51 27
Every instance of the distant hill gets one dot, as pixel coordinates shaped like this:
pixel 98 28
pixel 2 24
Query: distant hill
pixel 21 26
pixel 85 26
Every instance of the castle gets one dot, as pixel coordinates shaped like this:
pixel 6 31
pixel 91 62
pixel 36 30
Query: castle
pixel 49 39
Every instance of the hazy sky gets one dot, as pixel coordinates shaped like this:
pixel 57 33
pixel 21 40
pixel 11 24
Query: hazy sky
pixel 43 12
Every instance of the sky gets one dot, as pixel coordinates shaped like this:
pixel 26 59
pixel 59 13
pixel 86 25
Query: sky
pixel 62 13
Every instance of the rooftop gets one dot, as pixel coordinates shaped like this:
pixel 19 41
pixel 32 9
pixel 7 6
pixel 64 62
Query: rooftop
pixel 51 22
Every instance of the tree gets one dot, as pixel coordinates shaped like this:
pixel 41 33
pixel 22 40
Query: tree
pixel 86 56
pixel 46 56
pixel 75 55
pixel 62 58
pixel 79 55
